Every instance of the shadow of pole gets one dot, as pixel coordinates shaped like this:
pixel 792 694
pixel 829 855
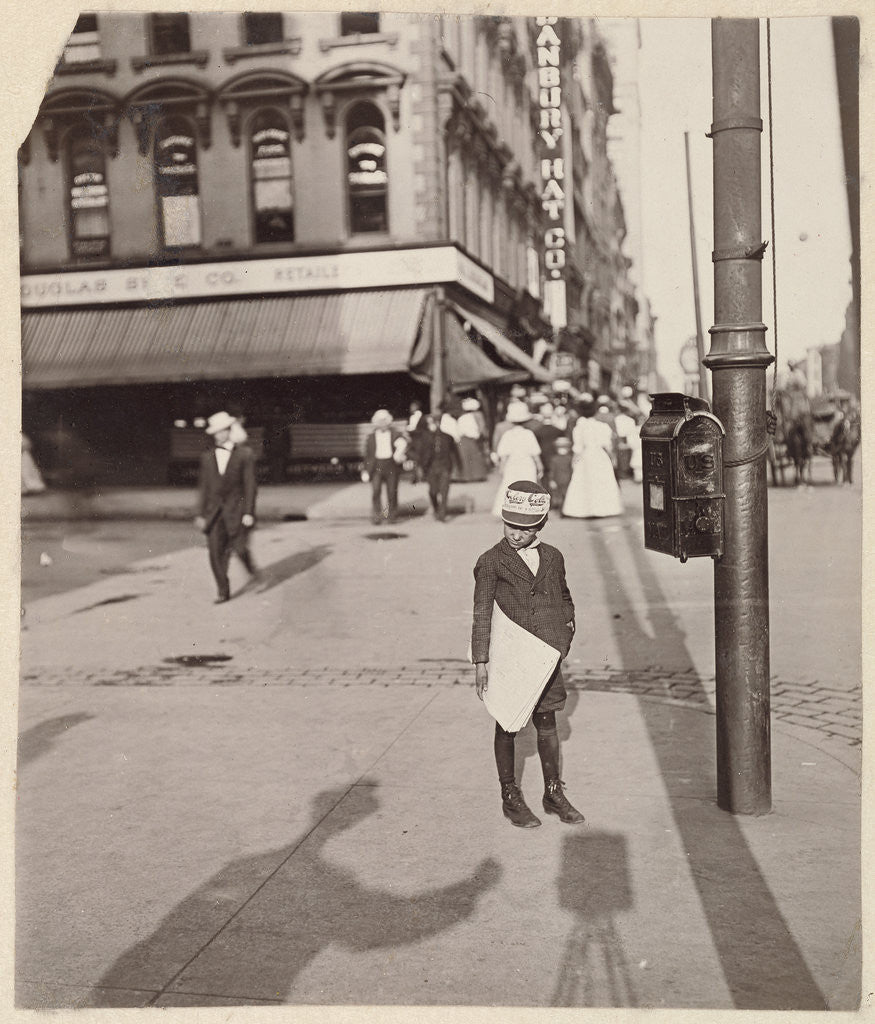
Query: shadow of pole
pixel 763 966
pixel 234 933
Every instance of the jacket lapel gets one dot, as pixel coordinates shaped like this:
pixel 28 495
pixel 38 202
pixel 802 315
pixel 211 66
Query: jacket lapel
pixel 512 560
pixel 545 560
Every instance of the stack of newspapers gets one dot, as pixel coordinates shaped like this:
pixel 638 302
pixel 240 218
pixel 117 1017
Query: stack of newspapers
pixel 520 665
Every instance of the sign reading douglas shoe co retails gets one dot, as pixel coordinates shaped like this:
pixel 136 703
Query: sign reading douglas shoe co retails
pixel 552 162
pixel 341 272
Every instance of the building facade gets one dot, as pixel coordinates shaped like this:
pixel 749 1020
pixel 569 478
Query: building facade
pixel 305 215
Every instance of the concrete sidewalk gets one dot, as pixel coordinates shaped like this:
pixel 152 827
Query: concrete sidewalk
pixel 290 799
pixel 276 502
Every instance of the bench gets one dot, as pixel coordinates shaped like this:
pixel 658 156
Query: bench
pixel 343 441
pixel 187 444
pixel 333 449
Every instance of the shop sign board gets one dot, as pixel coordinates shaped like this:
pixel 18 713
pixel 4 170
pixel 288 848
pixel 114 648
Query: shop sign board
pixel 340 272
pixel 552 163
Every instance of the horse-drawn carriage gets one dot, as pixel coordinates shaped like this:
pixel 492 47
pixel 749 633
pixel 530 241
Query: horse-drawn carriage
pixel 826 425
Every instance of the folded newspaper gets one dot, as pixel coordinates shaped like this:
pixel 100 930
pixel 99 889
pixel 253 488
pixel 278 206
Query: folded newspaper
pixel 520 665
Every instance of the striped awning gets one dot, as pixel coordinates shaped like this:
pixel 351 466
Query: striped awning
pixel 505 347
pixel 277 336
pixel 465 365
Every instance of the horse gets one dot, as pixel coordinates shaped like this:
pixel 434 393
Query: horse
pixel 843 444
pixel 793 433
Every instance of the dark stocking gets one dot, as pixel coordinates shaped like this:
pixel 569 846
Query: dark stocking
pixel 504 744
pixel 548 743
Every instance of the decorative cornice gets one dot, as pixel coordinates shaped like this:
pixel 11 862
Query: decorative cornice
pixel 198 58
pixel 256 87
pixel 149 103
pixel 87 67
pixel 288 47
pixel 358 77
pixel 358 39
pixel 66 107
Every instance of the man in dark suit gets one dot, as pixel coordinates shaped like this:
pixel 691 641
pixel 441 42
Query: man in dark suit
pixel 226 509
pixel 440 456
pixel 385 451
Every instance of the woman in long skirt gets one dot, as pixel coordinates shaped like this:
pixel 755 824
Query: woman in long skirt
pixel 471 442
pixel 518 451
pixel 593 490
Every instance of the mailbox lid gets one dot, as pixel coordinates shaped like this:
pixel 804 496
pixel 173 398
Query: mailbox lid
pixel 671 410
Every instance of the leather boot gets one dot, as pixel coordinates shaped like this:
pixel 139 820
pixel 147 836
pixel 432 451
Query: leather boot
pixel 515 808
pixel 556 802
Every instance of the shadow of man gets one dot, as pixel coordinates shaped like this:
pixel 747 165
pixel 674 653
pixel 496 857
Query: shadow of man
pixel 248 932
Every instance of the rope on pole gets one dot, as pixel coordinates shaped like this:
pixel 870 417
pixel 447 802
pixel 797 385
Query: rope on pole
pixel 771 412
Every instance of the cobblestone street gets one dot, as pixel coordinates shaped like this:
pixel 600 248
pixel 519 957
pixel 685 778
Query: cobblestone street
pixel 836 715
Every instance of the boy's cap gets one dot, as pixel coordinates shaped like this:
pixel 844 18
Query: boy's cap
pixel 561 442
pixel 525 504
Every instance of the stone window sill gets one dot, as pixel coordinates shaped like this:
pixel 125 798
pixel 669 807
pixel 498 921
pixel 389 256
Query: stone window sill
pixel 287 46
pixel 359 39
pixel 87 67
pixel 196 57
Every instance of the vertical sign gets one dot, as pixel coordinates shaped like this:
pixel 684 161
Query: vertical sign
pixel 552 164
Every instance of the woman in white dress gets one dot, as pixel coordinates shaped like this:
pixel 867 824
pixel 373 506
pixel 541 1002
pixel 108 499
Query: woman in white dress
pixel 593 490
pixel 518 452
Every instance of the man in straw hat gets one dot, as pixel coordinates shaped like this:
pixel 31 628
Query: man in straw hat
pixel 385 451
pixel 226 508
pixel 526 579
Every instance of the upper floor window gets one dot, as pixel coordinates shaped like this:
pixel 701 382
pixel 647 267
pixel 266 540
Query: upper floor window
pixel 358 23
pixel 176 183
pixel 261 28
pixel 84 42
pixel 272 200
pixel 367 179
pixel 170 33
pixel 88 196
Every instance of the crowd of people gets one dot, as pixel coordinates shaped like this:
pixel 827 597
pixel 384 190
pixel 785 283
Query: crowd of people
pixel 576 445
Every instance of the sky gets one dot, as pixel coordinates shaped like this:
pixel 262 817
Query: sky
pixel 812 236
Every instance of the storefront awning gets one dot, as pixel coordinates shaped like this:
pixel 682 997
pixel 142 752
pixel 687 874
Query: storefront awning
pixel 466 365
pixel 283 336
pixel 505 347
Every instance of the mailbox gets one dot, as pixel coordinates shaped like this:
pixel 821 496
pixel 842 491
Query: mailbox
pixel 682 451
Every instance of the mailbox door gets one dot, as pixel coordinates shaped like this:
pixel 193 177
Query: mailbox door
pixel 700 489
pixel 658 504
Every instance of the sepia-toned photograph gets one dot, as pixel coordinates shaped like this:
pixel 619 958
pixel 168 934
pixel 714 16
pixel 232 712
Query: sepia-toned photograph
pixel 441 514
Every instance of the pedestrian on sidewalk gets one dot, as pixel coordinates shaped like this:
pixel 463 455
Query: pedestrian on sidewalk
pixel 385 451
pixel 526 579
pixel 226 510
pixel 440 457
pixel 518 452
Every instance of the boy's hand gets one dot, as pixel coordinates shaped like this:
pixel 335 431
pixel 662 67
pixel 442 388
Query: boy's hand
pixel 481 679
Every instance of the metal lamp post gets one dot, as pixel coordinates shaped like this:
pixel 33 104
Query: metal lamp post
pixel 738 359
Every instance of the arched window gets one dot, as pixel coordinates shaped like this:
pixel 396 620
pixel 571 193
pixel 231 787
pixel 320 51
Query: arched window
pixel 367 180
pixel 176 182
pixel 88 196
pixel 272 201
